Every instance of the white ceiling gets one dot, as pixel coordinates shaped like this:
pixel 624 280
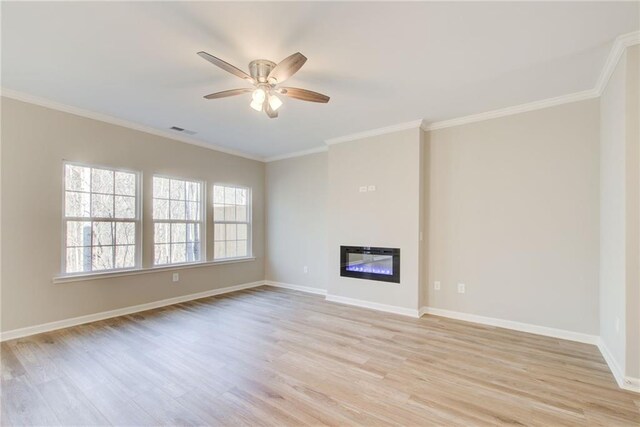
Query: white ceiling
pixel 381 63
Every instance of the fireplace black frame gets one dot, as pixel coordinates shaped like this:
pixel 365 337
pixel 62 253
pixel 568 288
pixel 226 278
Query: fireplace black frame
pixel 394 252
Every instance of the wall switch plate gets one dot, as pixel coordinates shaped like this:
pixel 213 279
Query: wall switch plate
pixel 305 269
pixel 363 189
pixel 372 188
pixel 436 286
pixel 461 288
pixel 617 325
pixel 175 277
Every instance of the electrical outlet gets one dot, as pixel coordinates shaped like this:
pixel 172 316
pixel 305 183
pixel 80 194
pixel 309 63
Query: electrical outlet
pixel 363 189
pixel 176 277
pixel 372 188
pixel 305 269
pixel 436 286
pixel 461 288
pixel 617 325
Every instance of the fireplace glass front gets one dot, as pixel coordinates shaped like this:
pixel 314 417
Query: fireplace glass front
pixel 364 262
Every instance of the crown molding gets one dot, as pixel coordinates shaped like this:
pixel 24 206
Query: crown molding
pixel 315 150
pixel 531 106
pixel 375 132
pixel 47 103
pixel 619 46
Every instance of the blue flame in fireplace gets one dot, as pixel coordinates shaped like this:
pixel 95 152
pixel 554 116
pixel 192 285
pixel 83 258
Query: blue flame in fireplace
pixel 366 268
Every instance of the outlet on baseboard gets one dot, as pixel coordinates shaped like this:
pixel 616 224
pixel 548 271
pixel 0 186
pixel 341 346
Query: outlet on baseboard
pixel 176 277
pixel 436 286
pixel 461 288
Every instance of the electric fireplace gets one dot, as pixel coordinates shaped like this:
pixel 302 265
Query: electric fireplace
pixel 364 262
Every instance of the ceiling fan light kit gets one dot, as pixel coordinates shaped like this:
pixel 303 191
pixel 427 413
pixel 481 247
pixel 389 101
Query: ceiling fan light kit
pixel 265 76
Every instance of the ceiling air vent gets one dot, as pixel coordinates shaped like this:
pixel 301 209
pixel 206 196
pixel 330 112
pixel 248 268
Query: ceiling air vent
pixel 182 130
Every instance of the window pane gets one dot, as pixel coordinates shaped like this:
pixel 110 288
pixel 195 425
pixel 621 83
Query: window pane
pixel 102 181
pixel 231 232
pixel 77 204
pixel 178 252
pixel 161 233
pixel 193 252
pixel 102 206
pixel 78 260
pixel 219 232
pixel 125 256
pixel 219 250
pixel 160 187
pixel 177 190
pixel 125 233
pixel 218 212
pixel 125 183
pixel 193 191
pixel 218 194
pixel 77 178
pixel 231 248
pixel 241 248
pixel 241 213
pixel 241 196
pixel 102 258
pixel 177 209
pixel 229 195
pixel 241 233
pixel 193 211
pixel 161 254
pixel 160 209
pixel 103 233
pixel 193 233
pixel 78 233
pixel 178 233
pixel 229 213
pixel 125 207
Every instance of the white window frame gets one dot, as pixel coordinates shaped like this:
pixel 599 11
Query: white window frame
pixel 137 219
pixel 249 221
pixel 202 222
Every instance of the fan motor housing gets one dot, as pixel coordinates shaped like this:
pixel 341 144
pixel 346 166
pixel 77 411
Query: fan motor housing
pixel 260 69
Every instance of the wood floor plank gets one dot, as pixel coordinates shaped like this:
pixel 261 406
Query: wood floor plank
pixel 273 357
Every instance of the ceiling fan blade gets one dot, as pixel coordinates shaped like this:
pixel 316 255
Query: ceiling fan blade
pixel 304 94
pixel 226 66
pixel 286 68
pixel 270 111
pixel 226 93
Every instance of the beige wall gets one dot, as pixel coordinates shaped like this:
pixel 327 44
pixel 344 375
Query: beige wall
pixel 612 214
pixel 35 141
pixel 512 213
pixel 633 213
pixel 297 220
pixel 388 217
pixel 620 214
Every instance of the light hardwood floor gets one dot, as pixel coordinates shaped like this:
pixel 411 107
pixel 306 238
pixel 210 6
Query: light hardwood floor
pixel 276 357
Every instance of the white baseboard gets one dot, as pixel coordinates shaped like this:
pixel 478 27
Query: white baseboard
pixel 60 324
pixel 627 383
pixel 307 289
pixel 510 324
pixel 374 305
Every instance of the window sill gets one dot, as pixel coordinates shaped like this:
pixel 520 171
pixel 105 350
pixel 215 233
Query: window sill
pixel 133 272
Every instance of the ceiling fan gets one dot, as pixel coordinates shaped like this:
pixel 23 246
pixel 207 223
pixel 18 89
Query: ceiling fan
pixel 265 78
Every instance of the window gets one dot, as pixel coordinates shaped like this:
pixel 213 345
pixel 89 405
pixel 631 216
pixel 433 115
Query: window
pixel 177 217
pixel 232 222
pixel 101 219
